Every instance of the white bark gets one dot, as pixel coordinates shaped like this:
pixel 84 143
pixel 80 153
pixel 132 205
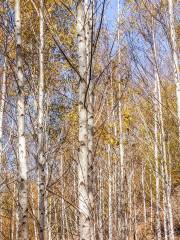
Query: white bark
pixel 151 202
pixel 41 137
pixel 56 221
pixel 84 214
pixel 165 217
pixel 158 223
pixel 22 161
pixel 13 214
pixel 49 219
pixel 135 217
pixel 144 193
pixel 175 57
pixel 100 204
pixel 34 213
pixel 110 195
pixel 130 203
pixel 90 99
pixel 62 201
pixel 163 143
pixel 121 213
pixel 75 191
pixel 2 104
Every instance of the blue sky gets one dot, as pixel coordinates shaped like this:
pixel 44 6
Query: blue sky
pixel 112 12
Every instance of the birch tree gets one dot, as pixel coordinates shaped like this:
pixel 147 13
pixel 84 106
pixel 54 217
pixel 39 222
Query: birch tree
pixel 89 7
pixel 163 143
pixel 22 159
pixel 175 56
pixel 121 139
pixel 41 143
pixel 84 214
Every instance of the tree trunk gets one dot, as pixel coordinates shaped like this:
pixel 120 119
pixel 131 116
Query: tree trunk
pixel 90 110
pixel 34 213
pixel 62 201
pixel 175 57
pixel 121 197
pixel 158 223
pixel 100 204
pixel 84 214
pixel 41 143
pixel 3 96
pixel 163 143
pixel 110 194
pixel 143 189
pixel 22 161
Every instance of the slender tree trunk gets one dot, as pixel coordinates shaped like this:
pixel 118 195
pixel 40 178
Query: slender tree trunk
pixel 165 216
pixel 158 223
pixel 41 138
pixel 121 213
pixel 62 203
pixel 56 221
pixel 130 204
pixel 2 104
pixel 110 194
pixel 84 214
pixel 90 102
pixel 17 224
pixel 144 193
pixel 13 215
pixel 3 96
pixel 34 213
pixel 49 220
pixel 151 202
pixel 135 217
pixel 175 57
pixel 100 204
pixel 163 143
pixel 75 192
pixel 22 161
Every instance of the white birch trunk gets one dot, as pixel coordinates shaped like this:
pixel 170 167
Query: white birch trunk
pixel 110 195
pixel 135 218
pixel 49 220
pixel 56 221
pixel 129 226
pixel 151 202
pixel 158 223
pixel 121 213
pixel 2 104
pixel 34 213
pixel 100 204
pixel 90 99
pixel 144 193
pixel 22 161
pixel 165 216
pixel 75 191
pixel 13 214
pixel 175 57
pixel 84 214
pixel 62 202
pixel 163 140
pixel 41 157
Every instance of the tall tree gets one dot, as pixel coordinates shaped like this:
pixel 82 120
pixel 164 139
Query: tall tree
pixel 22 159
pixel 175 56
pixel 84 210
pixel 41 139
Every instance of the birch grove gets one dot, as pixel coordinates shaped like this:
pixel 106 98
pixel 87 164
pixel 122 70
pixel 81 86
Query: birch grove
pixel 89 120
